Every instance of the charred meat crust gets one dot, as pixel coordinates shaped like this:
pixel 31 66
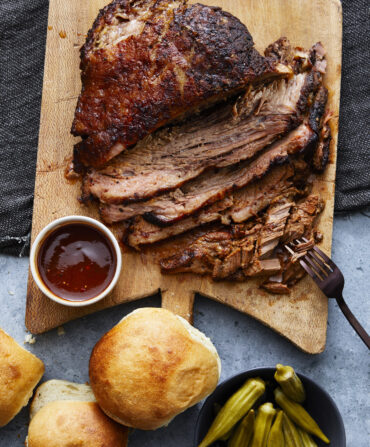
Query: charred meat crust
pixel 319 123
pixel 317 109
pixel 322 152
pixel 182 58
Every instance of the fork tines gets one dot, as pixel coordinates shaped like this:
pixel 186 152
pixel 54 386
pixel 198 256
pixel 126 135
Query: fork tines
pixel 316 263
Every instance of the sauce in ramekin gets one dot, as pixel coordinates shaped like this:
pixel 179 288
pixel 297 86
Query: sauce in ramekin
pixel 76 262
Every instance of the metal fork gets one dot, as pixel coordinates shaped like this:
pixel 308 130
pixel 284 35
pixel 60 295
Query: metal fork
pixel 328 277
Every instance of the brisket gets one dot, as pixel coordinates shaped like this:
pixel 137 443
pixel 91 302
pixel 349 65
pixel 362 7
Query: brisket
pixel 273 230
pixel 148 62
pixel 212 185
pixel 235 252
pixel 221 252
pixel 232 133
pixel 239 206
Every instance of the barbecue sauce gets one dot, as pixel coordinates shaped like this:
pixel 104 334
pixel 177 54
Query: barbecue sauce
pixel 76 262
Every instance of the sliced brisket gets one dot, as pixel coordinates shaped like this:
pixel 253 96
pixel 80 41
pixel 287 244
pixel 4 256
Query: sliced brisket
pixel 252 249
pixel 221 252
pixel 232 133
pixel 239 206
pixel 212 185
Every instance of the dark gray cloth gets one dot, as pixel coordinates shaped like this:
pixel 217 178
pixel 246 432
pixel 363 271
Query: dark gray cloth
pixel 23 25
pixel 353 169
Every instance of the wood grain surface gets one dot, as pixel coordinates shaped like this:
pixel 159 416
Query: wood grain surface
pixel 301 316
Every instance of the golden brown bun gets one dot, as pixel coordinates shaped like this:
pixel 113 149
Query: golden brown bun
pixel 150 367
pixel 74 424
pixel 20 371
pixel 57 390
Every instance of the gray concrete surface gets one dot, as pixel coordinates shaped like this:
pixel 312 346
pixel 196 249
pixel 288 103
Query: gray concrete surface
pixel 243 343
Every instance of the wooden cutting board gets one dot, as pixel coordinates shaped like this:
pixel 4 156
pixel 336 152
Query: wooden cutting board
pixel 300 317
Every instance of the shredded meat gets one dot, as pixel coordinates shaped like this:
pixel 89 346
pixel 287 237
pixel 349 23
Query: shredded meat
pixel 240 251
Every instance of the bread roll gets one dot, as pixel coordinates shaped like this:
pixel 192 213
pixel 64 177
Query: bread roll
pixel 20 371
pixel 57 390
pixel 71 423
pixel 150 367
pixel 65 414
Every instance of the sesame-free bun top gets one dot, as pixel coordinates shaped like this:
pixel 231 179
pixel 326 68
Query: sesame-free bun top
pixel 74 424
pixel 150 367
pixel 20 371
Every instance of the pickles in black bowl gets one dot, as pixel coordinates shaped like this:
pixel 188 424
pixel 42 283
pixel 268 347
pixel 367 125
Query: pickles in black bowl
pixel 318 404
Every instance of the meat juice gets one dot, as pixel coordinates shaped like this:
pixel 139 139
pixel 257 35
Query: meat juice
pixel 76 262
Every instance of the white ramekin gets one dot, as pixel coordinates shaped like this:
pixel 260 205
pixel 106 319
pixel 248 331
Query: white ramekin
pixel 51 227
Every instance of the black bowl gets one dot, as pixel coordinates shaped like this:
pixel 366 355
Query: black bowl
pixel 318 403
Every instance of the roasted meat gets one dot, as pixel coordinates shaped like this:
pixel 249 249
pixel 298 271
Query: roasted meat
pixel 212 185
pixel 221 252
pixel 235 252
pixel 230 134
pixel 148 62
pixel 237 207
pixel 227 182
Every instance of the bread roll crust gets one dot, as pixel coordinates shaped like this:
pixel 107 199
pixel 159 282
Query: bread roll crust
pixel 74 424
pixel 20 371
pixel 149 368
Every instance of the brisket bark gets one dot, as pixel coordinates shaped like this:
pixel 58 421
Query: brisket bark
pixel 147 62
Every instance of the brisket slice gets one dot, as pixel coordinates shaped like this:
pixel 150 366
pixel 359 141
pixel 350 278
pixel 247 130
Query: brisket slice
pixel 147 62
pixel 239 206
pixel 221 252
pixel 212 185
pixel 230 134
pixel 237 252
pixel 143 232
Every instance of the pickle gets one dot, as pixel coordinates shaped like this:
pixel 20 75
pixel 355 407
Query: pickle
pixel 243 433
pixel 291 435
pixel 276 436
pixel 235 409
pixel 299 415
pixel 290 383
pixel 307 440
pixel 262 426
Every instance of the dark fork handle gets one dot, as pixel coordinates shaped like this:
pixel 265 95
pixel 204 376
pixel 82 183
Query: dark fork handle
pixel 353 321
